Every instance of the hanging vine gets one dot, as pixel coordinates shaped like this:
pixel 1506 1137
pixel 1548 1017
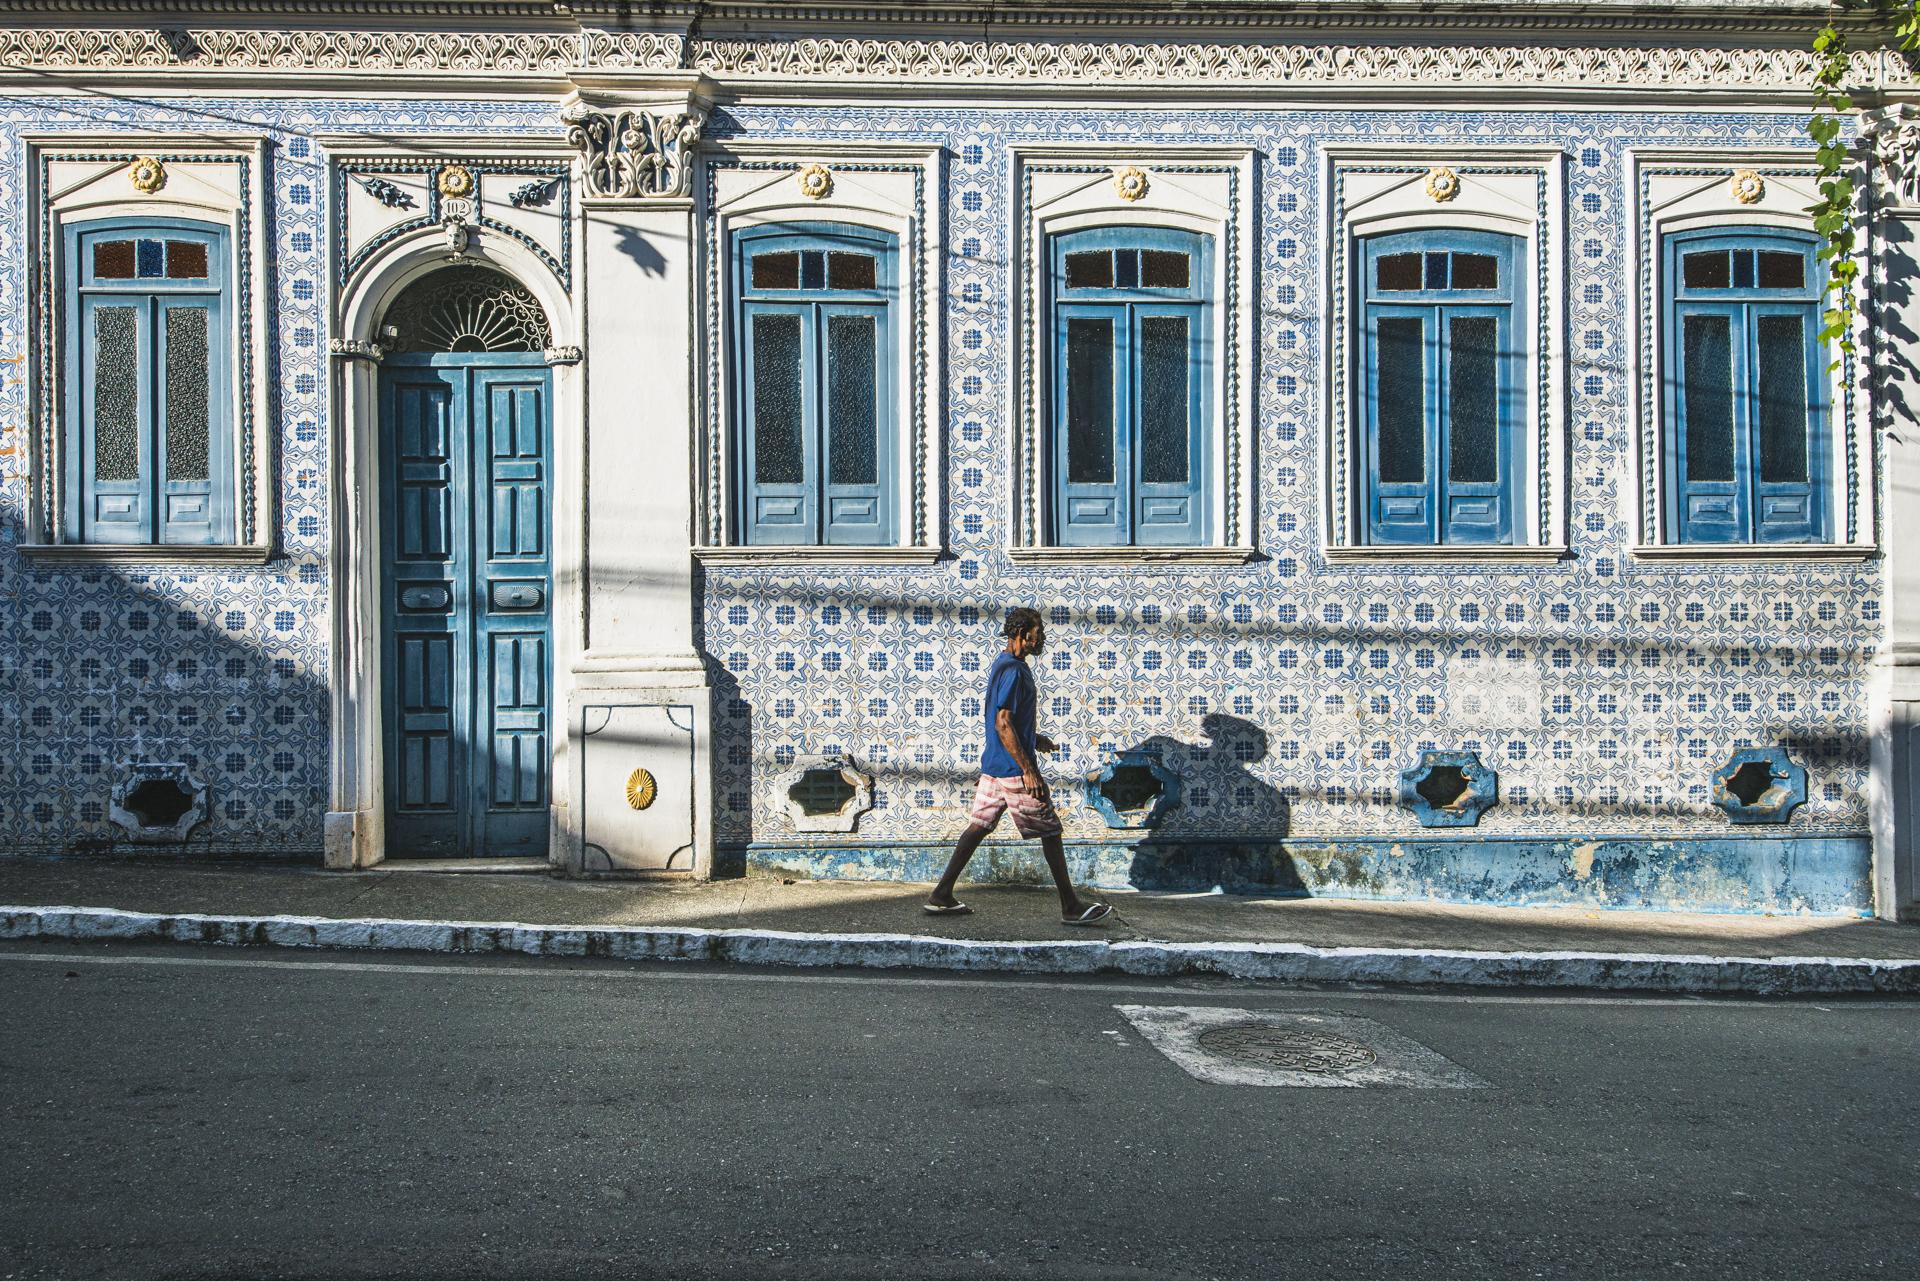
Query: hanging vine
pixel 1833 215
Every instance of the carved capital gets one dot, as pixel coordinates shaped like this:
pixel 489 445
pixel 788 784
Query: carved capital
pixel 356 349
pixel 571 354
pixel 635 152
pixel 1895 142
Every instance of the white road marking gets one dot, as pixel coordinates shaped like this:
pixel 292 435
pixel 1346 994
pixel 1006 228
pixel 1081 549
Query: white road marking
pixel 659 971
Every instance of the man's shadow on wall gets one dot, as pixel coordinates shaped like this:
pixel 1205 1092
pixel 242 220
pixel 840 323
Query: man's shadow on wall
pixel 1228 830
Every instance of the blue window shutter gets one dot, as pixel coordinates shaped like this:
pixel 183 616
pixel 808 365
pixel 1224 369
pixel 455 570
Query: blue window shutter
pixel 1746 439
pixel 817 417
pixel 856 406
pixel 1478 405
pixel 1786 413
pixel 1091 462
pixel 189 423
pixel 1401 403
pixel 1172 375
pixel 781 456
pixel 114 411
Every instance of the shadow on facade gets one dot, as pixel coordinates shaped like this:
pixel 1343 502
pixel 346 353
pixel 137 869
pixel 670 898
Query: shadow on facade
pixel 1190 847
pixel 109 673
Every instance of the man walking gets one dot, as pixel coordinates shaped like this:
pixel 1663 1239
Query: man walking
pixel 1010 777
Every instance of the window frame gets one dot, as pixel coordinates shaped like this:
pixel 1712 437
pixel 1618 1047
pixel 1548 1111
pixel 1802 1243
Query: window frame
pixel 1437 491
pixel 1128 307
pixel 1744 306
pixel 815 493
pixel 152 495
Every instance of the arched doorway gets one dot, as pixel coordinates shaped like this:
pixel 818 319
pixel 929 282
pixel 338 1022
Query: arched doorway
pixel 466 427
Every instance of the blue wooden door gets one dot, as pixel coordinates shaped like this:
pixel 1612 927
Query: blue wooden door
pixel 468 584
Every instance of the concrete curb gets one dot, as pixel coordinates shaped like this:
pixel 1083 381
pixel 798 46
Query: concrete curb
pixel 1278 962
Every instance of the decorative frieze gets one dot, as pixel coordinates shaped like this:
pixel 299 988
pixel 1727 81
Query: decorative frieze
pixel 634 152
pixel 826 61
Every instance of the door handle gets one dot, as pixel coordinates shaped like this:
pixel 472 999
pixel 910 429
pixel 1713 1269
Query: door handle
pixel 517 596
pixel 424 598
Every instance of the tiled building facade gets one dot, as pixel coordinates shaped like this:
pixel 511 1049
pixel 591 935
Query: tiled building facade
pixel 705 700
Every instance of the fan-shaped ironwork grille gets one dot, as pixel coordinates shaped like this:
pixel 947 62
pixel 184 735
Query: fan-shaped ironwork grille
pixel 467 309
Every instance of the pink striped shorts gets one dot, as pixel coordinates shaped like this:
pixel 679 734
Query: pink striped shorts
pixel 996 796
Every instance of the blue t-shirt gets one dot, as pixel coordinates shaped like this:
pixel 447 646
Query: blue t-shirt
pixel 1009 685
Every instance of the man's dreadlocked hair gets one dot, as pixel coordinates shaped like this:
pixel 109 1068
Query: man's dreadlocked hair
pixel 1020 620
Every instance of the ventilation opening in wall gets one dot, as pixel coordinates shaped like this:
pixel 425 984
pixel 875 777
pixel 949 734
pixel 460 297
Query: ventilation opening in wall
pixel 821 791
pixel 1751 781
pixel 1443 786
pixel 1131 788
pixel 159 803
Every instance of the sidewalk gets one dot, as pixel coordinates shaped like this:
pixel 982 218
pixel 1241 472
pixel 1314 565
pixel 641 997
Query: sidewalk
pixel 1013 928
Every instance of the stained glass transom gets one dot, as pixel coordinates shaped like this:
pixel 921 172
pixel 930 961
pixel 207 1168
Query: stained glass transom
pixel 467 309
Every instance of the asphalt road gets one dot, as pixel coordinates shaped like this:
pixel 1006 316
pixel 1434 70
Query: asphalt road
pixel 191 1113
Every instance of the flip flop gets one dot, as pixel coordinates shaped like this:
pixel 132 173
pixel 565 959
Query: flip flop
pixel 943 909
pixel 1093 915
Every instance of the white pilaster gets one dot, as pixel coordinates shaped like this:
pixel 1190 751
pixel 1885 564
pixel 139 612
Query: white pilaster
pixel 639 713
pixel 1894 332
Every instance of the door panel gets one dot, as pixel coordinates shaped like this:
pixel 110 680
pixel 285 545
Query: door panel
pixel 468 591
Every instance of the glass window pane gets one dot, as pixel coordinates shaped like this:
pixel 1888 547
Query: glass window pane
pixel 1476 271
pixel 779 457
pixel 149 258
pixel 1782 270
pixel 1783 399
pixel 1436 271
pixel 1126 268
pixel 850 271
pixel 1397 272
pixel 1090 270
pixel 1473 399
pixel 1165 406
pixel 1400 399
pixel 1163 269
pixel 1090 401
pixel 1707 388
pixel 113 260
pixel 186 427
pixel 186 260
pixel 116 394
pixel 1743 269
pixel 813 269
pixel 1706 270
pixel 853 447
pixel 776 270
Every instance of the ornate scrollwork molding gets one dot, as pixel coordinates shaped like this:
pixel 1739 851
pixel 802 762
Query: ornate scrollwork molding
pixel 635 152
pixel 356 349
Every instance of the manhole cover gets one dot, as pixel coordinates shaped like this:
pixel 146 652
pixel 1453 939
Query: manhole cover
pixel 1288 1049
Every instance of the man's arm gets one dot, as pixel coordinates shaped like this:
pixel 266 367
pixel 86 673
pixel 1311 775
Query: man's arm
pixel 1009 739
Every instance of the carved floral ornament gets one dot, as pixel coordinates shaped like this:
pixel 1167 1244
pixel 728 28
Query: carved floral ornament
pixel 816 182
pixel 455 181
pixel 629 153
pixel 147 175
pixel 1130 183
pixel 1748 187
pixel 1443 184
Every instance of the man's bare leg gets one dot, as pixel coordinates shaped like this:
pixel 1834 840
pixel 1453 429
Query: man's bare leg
pixel 1070 903
pixel 970 839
